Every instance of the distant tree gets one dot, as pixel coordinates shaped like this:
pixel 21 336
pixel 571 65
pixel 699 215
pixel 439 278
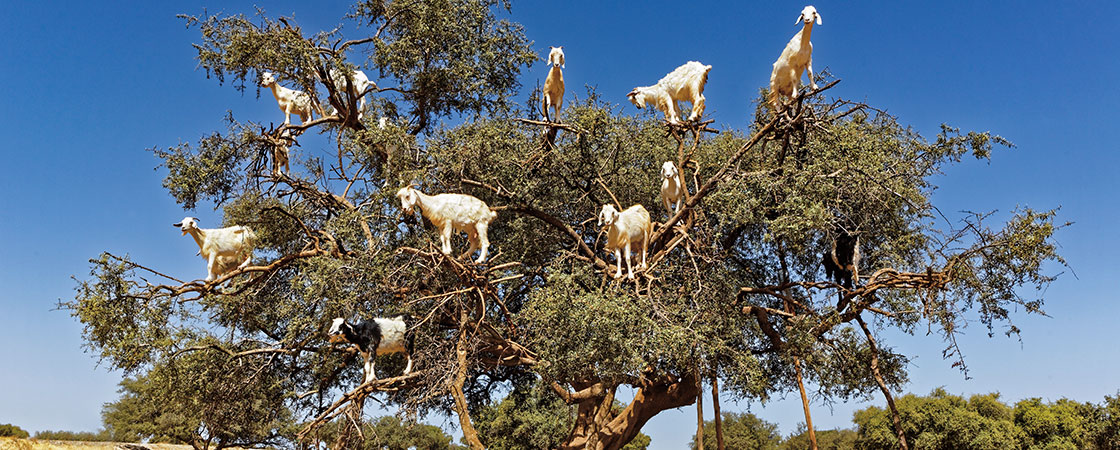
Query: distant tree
pixel 203 400
pixel 1106 434
pixel 942 421
pixel 734 287
pixel 1060 425
pixel 839 439
pixel 86 436
pixel 741 431
pixel 533 417
pixel 530 417
pixel 9 430
pixel 390 433
pixel 639 442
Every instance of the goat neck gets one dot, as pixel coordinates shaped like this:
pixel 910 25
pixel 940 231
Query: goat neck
pixel 275 86
pixel 199 236
pixel 805 33
pixel 424 203
pixel 354 337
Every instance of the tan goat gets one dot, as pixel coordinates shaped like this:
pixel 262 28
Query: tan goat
pixel 553 95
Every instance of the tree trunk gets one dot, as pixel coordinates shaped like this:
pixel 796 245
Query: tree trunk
pixel 805 404
pixel 699 411
pixel 595 429
pixel 883 385
pixel 469 433
pixel 715 406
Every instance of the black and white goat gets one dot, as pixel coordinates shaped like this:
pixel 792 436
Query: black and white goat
pixel 841 263
pixel 374 337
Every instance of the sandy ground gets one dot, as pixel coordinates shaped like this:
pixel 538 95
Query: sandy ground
pixel 35 444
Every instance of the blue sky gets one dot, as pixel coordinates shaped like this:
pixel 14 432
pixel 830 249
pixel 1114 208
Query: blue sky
pixel 89 87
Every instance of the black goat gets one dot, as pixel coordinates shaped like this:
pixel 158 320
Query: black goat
pixel 374 337
pixel 841 263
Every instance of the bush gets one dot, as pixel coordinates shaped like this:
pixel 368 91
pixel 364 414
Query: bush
pixel 9 430
pixel 86 436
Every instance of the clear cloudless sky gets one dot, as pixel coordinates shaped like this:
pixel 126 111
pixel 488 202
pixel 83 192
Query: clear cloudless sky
pixel 88 86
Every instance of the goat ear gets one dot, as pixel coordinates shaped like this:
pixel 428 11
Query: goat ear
pixel 799 16
pixel 632 93
pixel 818 18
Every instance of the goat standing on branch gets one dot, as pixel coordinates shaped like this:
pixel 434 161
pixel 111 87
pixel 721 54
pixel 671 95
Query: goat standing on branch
pixel 354 85
pixel 685 83
pixel 628 231
pixel 374 337
pixel 280 153
pixel 672 191
pixel 841 263
pixel 447 212
pixel 290 100
pixel 221 247
pixel 795 59
pixel 553 95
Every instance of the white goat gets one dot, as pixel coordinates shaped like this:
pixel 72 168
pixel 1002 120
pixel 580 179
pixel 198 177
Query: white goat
pixel 290 101
pixel 672 191
pixel 220 247
pixel 553 94
pixel 795 59
pixel 628 231
pixel 359 83
pixel 685 83
pixel 378 336
pixel 447 212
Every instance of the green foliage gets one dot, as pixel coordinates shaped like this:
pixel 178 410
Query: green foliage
pixel 639 442
pixel 201 398
pixel 946 421
pixel 741 431
pixel 83 436
pixel 1063 424
pixel 839 439
pixel 9 430
pixel 1107 426
pixel 528 418
pixel 214 170
pixel 941 421
pixel 448 55
pixel 390 433
pixel 532 417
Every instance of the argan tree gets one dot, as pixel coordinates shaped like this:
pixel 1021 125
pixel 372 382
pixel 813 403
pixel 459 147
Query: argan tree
pixel 734 288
